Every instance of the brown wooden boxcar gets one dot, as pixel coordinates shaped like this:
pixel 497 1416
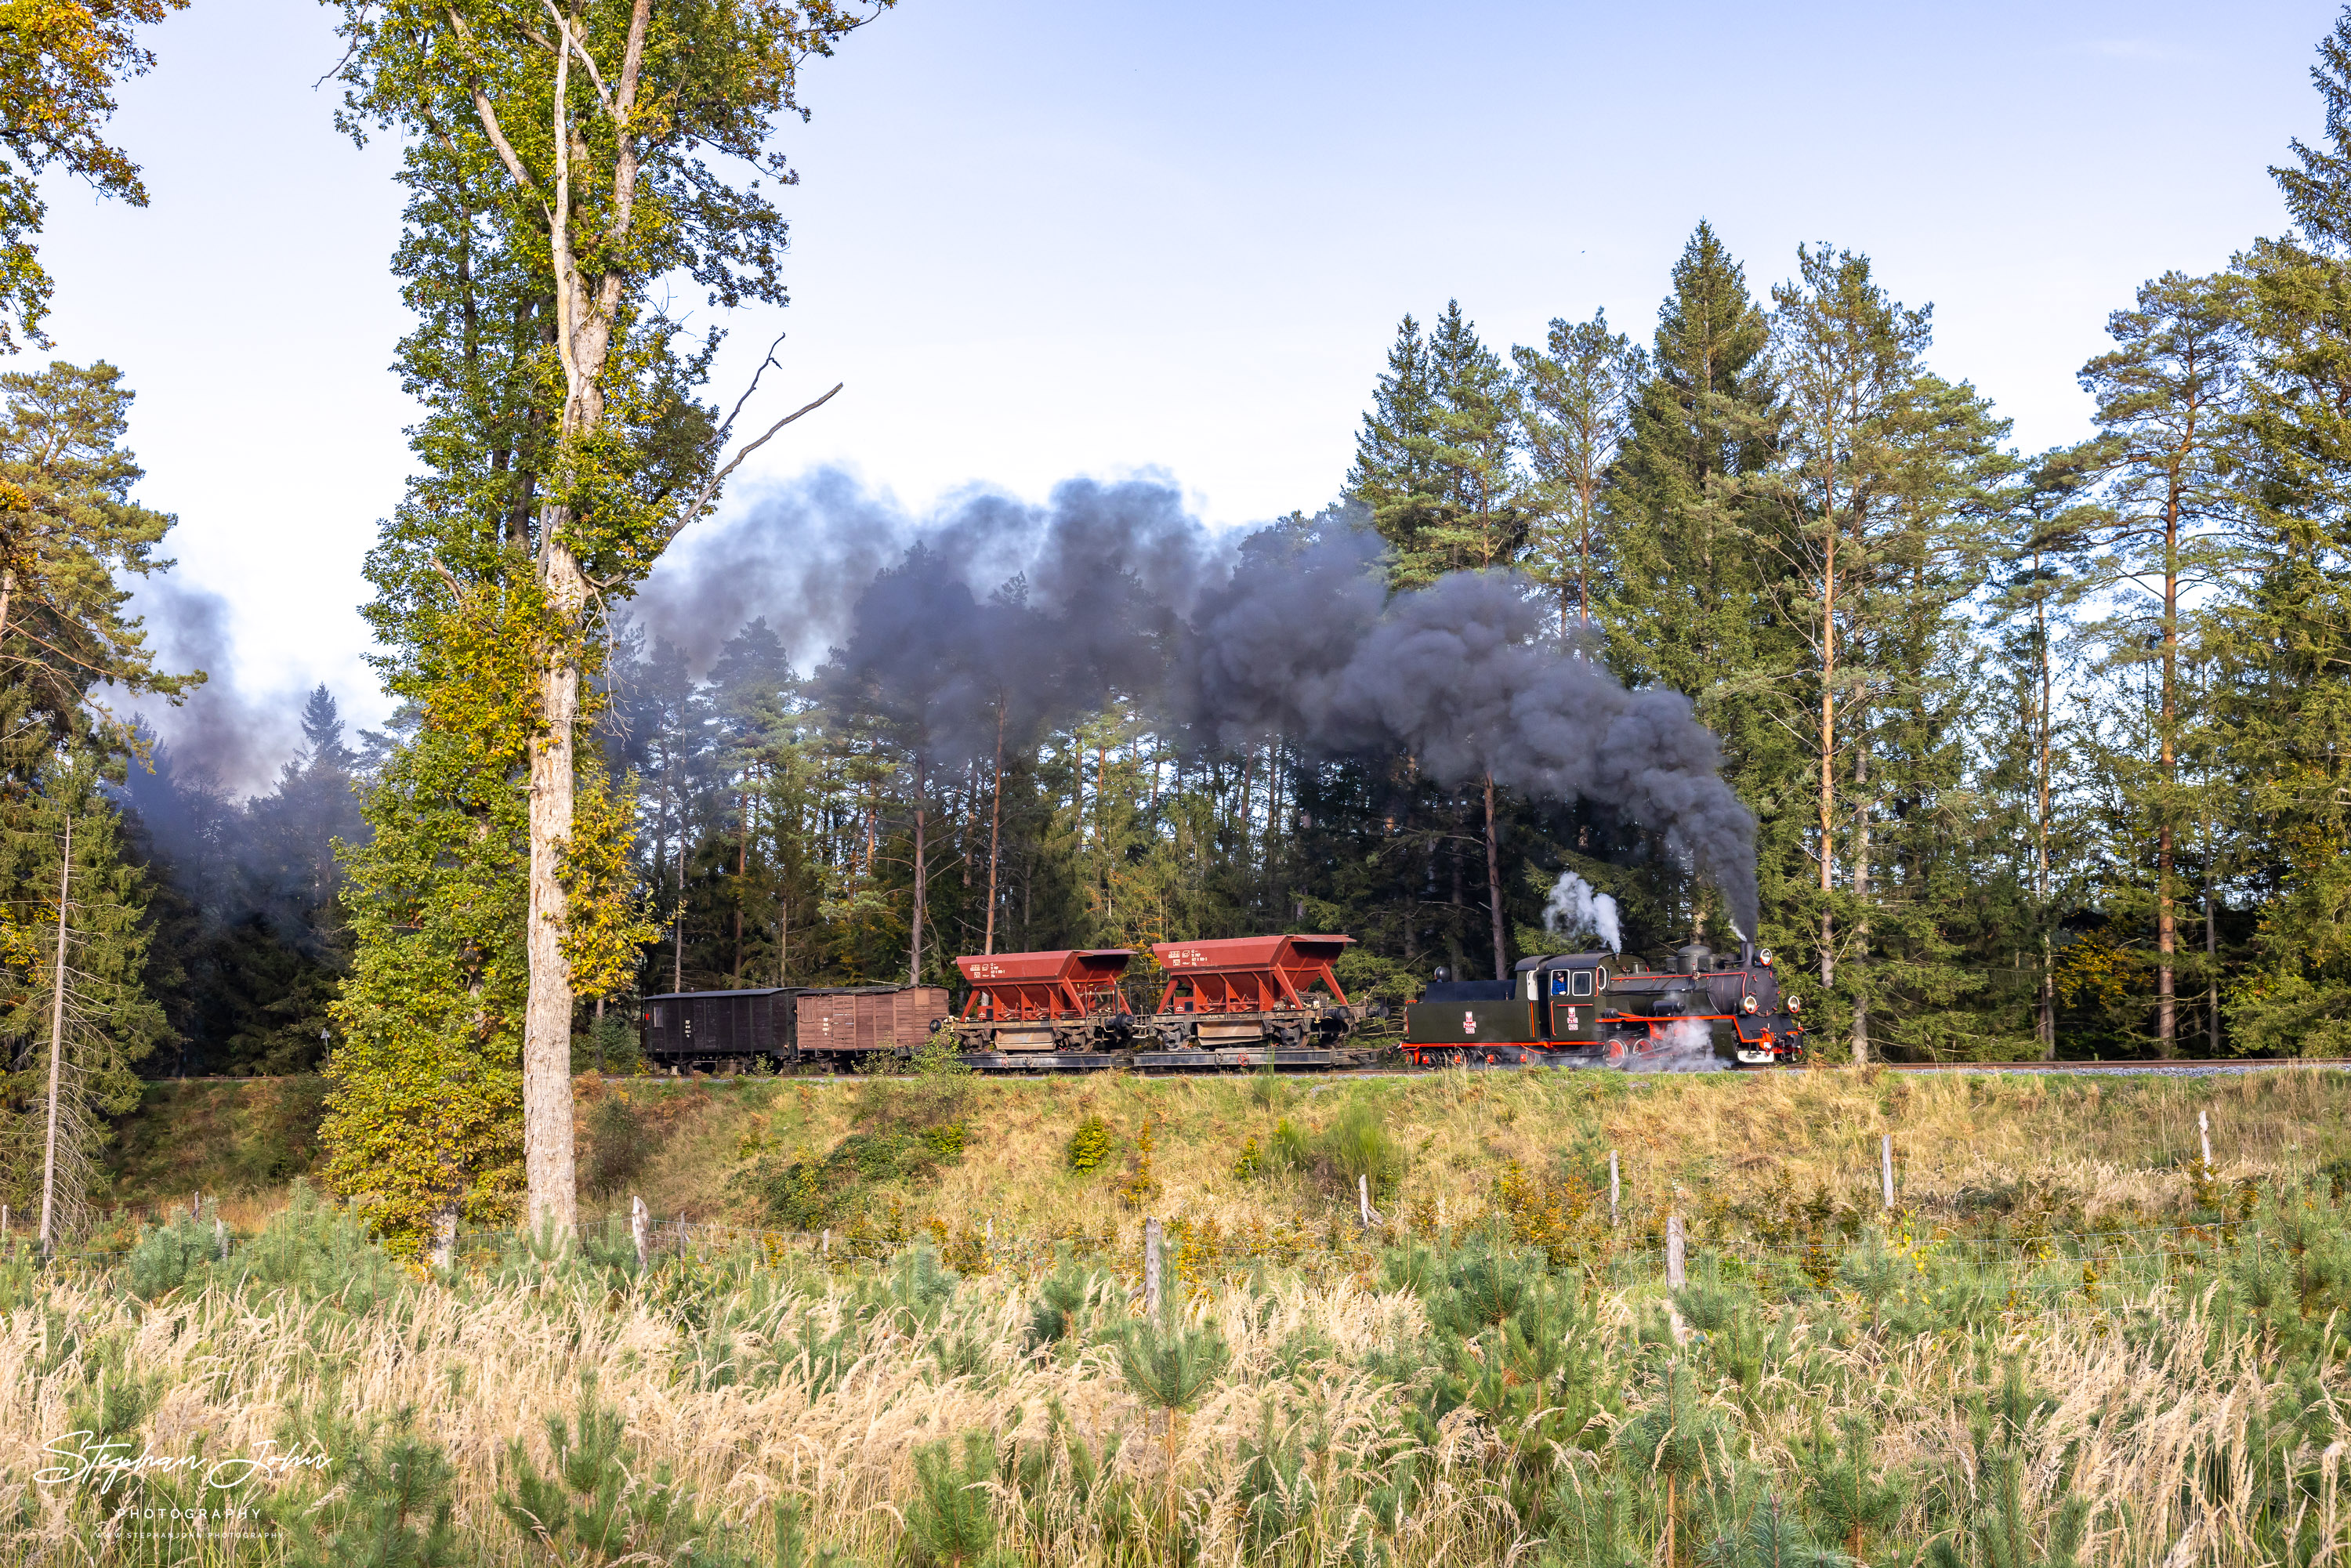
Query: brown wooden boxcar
pixel 854 1019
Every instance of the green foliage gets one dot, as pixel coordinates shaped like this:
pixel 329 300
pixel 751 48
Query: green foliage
pixel 1061 1298
pixel 950 1518
pixel 1088 1147
pixel 383 1499
pixel 1250 1164
pixel 593 1507
pixel 318 1252
pixel 1845 1492
pixel 166 1257
pixel 1358 1145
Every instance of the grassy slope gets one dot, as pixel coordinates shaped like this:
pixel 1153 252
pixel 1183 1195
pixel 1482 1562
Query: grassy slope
pixel 229 1138
pixel 2087 1145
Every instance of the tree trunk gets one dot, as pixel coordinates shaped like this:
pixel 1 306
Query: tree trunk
pixel 548 1154
pixel 1494 885
pixel 1828 743
pixel 1860 899
pixel 2167 922
pixel 56 1054
pixel 922 891
pixel 2046 739
pixel 995 831
pixel 742 877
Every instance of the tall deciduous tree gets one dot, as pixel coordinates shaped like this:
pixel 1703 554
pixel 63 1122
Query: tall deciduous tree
pixel 562 160
pixel 59 68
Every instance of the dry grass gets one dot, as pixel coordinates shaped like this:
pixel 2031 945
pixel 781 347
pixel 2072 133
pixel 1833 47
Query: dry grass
pixel 2162 1393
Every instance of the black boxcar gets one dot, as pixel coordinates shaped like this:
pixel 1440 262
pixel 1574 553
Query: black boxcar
pixel 686 1029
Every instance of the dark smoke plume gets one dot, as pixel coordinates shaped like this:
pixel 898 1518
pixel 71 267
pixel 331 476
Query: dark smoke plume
pixel 1114 591
pixel 221 731
pixel 1300 641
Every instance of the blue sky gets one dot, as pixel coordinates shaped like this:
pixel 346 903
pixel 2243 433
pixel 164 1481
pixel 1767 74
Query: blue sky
pixel 1038 241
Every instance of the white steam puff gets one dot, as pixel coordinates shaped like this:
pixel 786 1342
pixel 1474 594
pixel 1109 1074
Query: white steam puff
pixel 1687 1046
pixel 1573 908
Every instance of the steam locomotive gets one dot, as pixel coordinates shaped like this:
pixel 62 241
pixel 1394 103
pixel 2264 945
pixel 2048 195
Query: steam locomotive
pixel 1602 1009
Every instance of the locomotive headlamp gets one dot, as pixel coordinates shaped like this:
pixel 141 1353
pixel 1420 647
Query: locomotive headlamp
pixel 1764 958
pixel 1795 1004
pixel 1747 1004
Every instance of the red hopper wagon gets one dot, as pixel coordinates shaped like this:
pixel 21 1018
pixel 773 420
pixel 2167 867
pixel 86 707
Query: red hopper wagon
pixel 1068 1000
pixel 1243 1001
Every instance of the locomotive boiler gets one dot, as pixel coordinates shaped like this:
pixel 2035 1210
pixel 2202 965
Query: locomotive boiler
pixel 1603 1010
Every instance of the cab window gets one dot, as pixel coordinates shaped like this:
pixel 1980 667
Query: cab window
pixel 1583 982
pixel 1559 982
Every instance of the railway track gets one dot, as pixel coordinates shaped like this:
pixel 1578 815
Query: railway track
pixel 2179 1068
pixel 2182 1067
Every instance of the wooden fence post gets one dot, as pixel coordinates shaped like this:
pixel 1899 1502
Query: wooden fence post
pixel 2204 1134
pixel 824 1245
pixel 1885 1168
pixel 1364 1199
pixel 1150 1268
pixel 1615 1188
pixel 1674 1276
pixel 639 1222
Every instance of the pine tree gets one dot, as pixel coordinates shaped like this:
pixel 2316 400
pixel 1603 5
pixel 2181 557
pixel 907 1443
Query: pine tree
pixel 2282 708
pixel 1882 506
pixel 2169 400
pixel 1574 398
pixel 1395 473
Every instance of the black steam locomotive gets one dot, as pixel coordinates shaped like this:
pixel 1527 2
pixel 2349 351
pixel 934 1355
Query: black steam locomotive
pixel 1603 1010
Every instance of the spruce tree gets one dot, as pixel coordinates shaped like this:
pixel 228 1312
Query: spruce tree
pixel 2282 716
pixel 1394 472
pixel 1690 608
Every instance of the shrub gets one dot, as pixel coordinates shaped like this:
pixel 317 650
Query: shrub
pixel 1251 1164
pixel 1288 1148
pixel 1089 1148
pixel 951 1518
pixel 167 1257
pixel 594 1505
pixel 1359 1145
pixel 616 1143
pixel 319 1251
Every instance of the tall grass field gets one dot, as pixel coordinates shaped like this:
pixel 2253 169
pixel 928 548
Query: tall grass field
pixel 1397 1321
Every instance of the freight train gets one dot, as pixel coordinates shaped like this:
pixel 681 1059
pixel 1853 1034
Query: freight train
pixel 1253 1002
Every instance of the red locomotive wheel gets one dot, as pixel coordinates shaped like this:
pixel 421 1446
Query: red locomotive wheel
pixel 1616 1051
